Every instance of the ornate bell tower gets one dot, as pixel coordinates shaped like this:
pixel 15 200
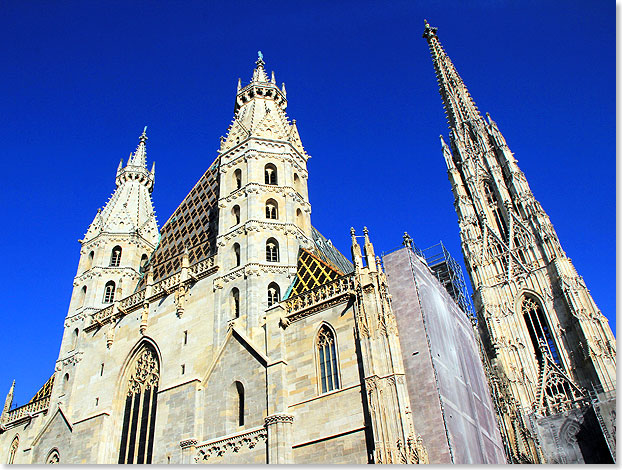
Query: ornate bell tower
pixel 545 337
pixel 264 212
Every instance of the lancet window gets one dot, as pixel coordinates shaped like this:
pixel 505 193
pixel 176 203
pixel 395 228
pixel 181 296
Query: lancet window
pixel 493 204
pixel 236 214
pixel 13 450
pixel 109 292
pixel 237 176
pixel 272 250
pixel 270 174
pixel 539 330
pixel 236 253
pixel 115 256
pixel 239 391
pixel 235 302
pixel 327 360
pixel 139 414
pixel 274 294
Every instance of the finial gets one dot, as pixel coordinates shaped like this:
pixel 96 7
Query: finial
pixel 273 80
pixel 352 231
pixel 428 31
pixel 283 90
pixel 260 62
pixel 260 55
pixel 365 231
pixel 239 84
pixel 143 136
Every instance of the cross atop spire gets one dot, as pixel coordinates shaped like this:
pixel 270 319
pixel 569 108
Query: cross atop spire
pixel 459 106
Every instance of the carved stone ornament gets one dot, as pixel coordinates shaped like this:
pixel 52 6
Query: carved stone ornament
pixel 146 373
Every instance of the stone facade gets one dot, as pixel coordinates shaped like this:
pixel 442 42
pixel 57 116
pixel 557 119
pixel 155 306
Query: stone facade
pixel 191 345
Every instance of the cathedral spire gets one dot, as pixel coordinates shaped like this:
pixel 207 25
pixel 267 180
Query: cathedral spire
pixel 139 158
pixel 459 106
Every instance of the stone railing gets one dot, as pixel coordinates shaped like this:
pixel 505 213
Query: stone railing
pixel 159 289
pixel 133 300
pixel 102 315
pixel 28 409
pixel 330 292
pixel 234 443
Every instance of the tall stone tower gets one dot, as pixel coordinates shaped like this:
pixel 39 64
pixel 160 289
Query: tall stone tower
pixel 546 339
pixel 264 211
pixel 116 247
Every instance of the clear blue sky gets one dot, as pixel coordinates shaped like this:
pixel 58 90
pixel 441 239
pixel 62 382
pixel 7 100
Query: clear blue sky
pixel 81 79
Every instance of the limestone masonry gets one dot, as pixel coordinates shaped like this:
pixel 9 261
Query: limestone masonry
pixel 237 333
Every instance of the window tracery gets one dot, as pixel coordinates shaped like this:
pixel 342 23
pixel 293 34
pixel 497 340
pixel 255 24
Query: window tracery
pixel 13 450
pixel 327 360
pixel 53 458
pixel 539 330
pixel 115 257
pixel 274 294
pixel 140 409
pixel 272 250
pixel 109 292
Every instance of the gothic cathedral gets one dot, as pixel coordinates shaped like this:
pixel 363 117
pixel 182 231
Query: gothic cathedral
pixel 237 333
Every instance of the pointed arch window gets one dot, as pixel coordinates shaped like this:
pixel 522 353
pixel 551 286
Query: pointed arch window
pixel 109 292
pixel 326 345
pixel 272 209
pixel 53 457
pixel 237 178
pixel 13 450
pixel 274 294
pixel 236 214
pixel 139 414
pixel 235 302
pixel 239 390
pixel 82 296
pixel 74 338
pixel 270 174
pixel 115 256
pixel 539 330
pixel 493 203
pixel 236 253
pixel 297 185
pixel 89 260
pixel 143 262
pixel 272 250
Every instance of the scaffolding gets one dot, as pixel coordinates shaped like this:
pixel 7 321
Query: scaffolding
pixel 449 274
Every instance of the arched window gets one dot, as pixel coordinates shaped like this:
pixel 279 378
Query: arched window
pixel 239 388
pixel 270 174
pixel 74 338
pixel 237 177
pixel 272 209
pixel 300 221
pixel 53 457
pixel 143 262
pixel 272 250
pixel 297 185
pixel 538 327
pixel 327 360
pixel 236 214
pixel 82 298
pixel 109 292
pixel 274 294
pixel 89 260
pixel 115 257
pixel 13 450
pixel 141 399
pixel 491 199
pixel 65 386
pixel 236 253
pixel 235 302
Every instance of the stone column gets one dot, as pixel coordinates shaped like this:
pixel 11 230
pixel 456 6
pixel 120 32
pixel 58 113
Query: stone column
pixel 279 428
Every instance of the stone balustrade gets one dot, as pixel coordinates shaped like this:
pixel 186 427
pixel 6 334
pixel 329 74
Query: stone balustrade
pixel 233 443
pixel 319 295
pixel 159 289
pixel 28 409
